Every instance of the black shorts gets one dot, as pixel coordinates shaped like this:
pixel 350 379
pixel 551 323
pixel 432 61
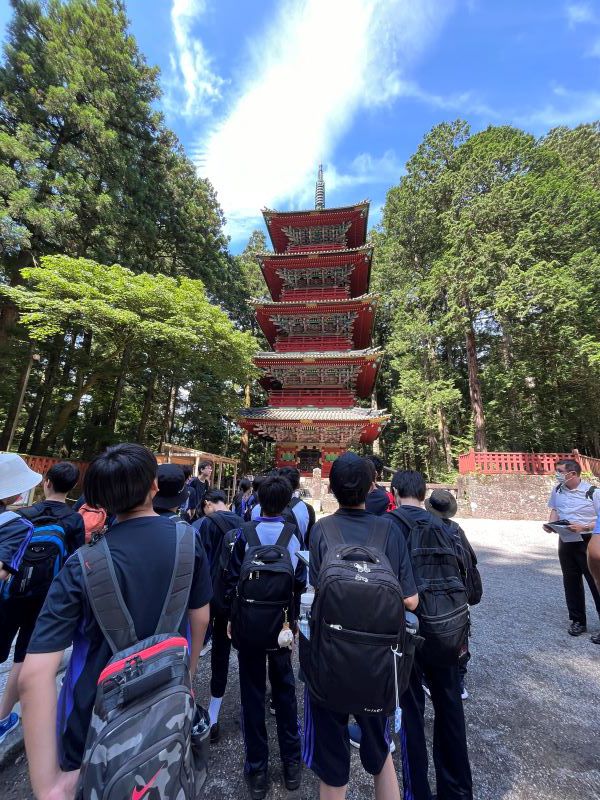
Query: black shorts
pixel 327 744
pixel 18 615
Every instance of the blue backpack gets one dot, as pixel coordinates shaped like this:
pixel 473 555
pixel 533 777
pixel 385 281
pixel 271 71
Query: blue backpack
pixel 44 557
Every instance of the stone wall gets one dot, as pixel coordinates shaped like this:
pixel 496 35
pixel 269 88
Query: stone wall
pixel 504 496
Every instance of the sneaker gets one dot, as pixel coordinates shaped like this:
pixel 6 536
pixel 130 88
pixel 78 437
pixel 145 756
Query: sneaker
pixel 258 783
pixel 272 711
pixel 215 733
pixel 426 689
pixel 206 649
pixel 355 734
pixel 9 724
pixel 464 695
pixel 292 775
pixel 576 629
pixel 392 746
pixel 595 639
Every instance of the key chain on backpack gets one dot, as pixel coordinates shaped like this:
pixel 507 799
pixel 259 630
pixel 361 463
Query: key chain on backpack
pixel 398 710
pixel 286 637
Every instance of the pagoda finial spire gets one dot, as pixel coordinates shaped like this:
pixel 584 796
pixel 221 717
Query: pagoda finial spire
pixel 320 190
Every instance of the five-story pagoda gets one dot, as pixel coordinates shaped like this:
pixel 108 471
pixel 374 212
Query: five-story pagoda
pixel 320 324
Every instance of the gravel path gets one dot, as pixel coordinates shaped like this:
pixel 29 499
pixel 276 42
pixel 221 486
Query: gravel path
pixel 534 711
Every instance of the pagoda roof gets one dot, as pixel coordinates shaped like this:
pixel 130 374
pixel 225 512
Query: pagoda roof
pixel 358 257
pixel 355 216
pixel 367 354
pixel 361 328
pixel 315 414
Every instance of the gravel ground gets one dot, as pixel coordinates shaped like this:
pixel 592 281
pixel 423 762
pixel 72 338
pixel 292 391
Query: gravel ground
pixel 534 710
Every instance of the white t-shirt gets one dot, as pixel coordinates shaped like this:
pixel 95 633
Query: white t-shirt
pixel 572 504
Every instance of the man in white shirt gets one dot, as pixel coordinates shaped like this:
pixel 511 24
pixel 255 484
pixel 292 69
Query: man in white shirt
pixel 578 502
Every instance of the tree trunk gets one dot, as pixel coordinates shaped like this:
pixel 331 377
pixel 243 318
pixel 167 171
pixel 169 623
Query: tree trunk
pixel 36 422
pixel 166 424
pixel 174 399
pixel 148 399
pixel 9 313
pixel 376 443
pixel 445 437
pixel 245 437
pixel 475 389
pixel 115 404
pixel 12 418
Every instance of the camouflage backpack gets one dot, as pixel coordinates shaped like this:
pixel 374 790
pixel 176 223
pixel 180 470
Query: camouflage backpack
pixel 140 738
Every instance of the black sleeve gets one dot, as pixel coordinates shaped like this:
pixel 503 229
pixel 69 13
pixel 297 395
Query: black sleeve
pixel 312 518
pixel 61 612
pixel 317 551
pixel 201 592
pixel 75 532
pixel 299 586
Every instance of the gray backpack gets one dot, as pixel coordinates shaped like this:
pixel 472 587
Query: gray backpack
pixel 140 736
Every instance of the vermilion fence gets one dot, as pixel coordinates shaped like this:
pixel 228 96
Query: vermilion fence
pixel 499 463
pixel 43 463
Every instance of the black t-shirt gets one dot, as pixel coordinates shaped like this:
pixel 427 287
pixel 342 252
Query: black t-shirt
pixel 71 521
pixel 143 553
pixel 355 526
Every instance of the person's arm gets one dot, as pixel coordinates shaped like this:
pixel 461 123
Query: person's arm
pixel 593 554
pixel 37 692
pixel 411 602
pixel 199 619
pixel 300 579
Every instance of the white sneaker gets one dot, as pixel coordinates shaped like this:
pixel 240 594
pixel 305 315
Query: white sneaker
pixel 464 695
pixel 392 746
pixel 206 649
pixel 427 690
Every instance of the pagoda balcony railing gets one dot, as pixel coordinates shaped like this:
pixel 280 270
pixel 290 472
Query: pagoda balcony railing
pixel 315 293
pixel 338 398
pixel 289 344
pixel 320 247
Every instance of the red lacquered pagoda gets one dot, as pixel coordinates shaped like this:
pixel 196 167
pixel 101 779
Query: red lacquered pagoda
pixel 320 325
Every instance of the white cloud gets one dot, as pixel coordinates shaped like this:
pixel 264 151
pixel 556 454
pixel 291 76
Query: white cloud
pixel 317 66
pixel 201 86
pixel 573 108
pixel 594 51
pixel 579 13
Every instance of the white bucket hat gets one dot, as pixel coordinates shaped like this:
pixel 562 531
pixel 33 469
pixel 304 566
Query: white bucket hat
pixel 15 476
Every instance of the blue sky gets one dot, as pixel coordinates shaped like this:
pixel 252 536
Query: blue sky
pixel 260 91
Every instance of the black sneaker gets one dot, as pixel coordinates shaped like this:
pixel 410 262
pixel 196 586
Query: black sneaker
pixel 292 775
pixel 258 783
pixel 576 629
pixel 215 733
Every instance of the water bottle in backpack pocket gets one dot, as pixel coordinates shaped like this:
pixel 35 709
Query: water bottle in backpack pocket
pixel 354 661
pixel 44 557
pixel 443 609
pixel 264 597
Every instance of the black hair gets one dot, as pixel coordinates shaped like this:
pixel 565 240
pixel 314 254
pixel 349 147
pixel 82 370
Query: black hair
pixel 274 493
pixel 377 463
pixel 570 464
pixel 203 464
pixel 292 474
pixel 120 478
pixel 350 480
pixel 214 496
pixel 257 482
pixel 187 470
pixel 244 485
pixel 372 469
pixel 63 476
pixel 409 483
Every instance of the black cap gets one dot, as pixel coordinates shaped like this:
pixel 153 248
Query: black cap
pixel 442 503
pixel 351 478
pixel 172 491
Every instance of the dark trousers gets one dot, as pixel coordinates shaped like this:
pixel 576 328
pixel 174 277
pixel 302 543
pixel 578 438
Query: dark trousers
pixel 253 691
pixel 450 755
pixel 219 656
pixel 573 563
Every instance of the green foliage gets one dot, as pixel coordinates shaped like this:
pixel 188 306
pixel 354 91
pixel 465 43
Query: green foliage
pixel 490 244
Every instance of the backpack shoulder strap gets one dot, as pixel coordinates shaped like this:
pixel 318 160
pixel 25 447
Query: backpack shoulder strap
pixel 9 516
pixel 589 495
pixel 221 523
pixel 379 533
pixel 332 531
pixel 403 517
pixel 294 502
pixel 286 534
pixel 176 601
pixel 249 531
pixel 104 594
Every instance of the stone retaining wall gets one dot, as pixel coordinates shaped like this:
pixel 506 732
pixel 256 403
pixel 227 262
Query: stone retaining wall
pixel 504 496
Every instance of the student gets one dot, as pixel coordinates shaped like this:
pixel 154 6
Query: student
pixel 240 501
pixel 274 494
pixel 122 479
pixel 172 490
pixel 212 527
pixel 19 612
pixel 450 754
pixel 379 500
pixel 326 741
pixel 299 512
pixel 15 533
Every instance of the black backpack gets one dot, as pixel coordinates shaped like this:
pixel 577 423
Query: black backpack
pixel 354 661
pixel 264 597
pixel 141 735
pixel 229 528
pixel 443 608
pixel 470 573
pixel 45 555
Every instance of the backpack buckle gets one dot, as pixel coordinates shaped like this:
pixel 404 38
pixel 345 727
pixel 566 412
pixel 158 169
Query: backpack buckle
pixel 132 667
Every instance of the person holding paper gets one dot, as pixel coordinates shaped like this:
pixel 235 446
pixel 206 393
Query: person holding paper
pixel 578 502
